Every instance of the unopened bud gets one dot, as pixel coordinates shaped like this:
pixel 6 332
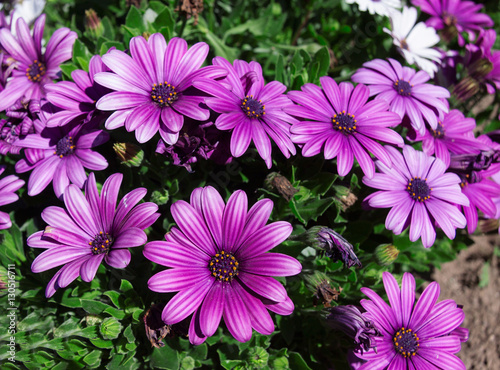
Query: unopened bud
pixel 93 24
pixel 386 254
pixel 279 182
pixel 129 154
pixel 334 245
pixel 323 292
pixel 466 88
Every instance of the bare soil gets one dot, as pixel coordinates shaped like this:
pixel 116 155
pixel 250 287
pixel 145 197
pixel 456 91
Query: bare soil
pixel 460 280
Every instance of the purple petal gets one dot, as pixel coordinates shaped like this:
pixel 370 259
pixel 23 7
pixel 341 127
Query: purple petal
pixel 54 257
pixel 264 286
pixel 212 308
pixel 233 219
pixel 177 279
pixel 79 209
pixel 89 267
pixel 118 258
pixel 236 316
pixel 264 239
pixel 271 264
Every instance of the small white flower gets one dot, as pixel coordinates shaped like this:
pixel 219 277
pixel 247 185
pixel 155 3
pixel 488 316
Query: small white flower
pixel 29 10
pixel 381 7
pixel 415 41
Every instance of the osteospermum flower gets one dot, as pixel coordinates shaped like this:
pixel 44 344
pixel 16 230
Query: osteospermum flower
pixel 414 41
pixel 455 17
pixel 220 267
pixel 343 124
pixel 454 134
pixel 59 155
pixel 380 7
pixel 8 185
pixel 90 229
pixel 34 68
pixel 421 335
pixel 76 99
pixel 405 90
pixel 152 86
pixel 419 192
pixel 252 110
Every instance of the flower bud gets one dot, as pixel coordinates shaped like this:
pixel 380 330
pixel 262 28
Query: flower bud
pixel 93 24
pixel 386 254
pixel 334 245
pixel 320 285
pixel 351 321
pixel 129 154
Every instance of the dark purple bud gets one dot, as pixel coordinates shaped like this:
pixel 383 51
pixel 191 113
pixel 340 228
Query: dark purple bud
pixel 334 245
pixel 351 321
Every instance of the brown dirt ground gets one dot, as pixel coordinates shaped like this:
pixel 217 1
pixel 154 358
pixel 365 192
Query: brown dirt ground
pixel 459 280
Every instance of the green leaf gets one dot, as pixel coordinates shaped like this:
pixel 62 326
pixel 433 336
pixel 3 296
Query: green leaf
pixel 93 359
pixel 164 358
pixel 311 209
pixel 320 183
pixel 485 275
pixel 165 19
pixel 297 362
pixel 322 56
pixel 12 246
pixel 134 19
pixel 279 74
pixel 67 68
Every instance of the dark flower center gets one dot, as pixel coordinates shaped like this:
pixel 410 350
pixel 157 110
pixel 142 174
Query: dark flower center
pixel 253 108
pixel 101 244
pixel 344 122
pixel 403 87
pixel 224 266
pixel 164 94
pixel 439 131
pixel 35 71
pixel 406 342
pixel 418 189
pixel 64 147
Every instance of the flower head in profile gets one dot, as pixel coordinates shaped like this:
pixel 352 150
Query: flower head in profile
pixel 77 99
pixel 421 335
pixel 405 90
pixel 340 122
pixel 419 193
pixel 152 86
pixel 8 185
pixel 455 17
pixel 334 245
pixel 380 7
pixel 415 41
pixel 34 68
pixel 454 134
pixel 351 321
pixel 219 265
pixel 251 109
pixel 91 228
pixel 60 154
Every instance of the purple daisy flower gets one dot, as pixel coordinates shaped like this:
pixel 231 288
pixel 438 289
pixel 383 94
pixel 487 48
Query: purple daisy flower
pixel 34 69
pixel 481 193
pixel 455 17
pixel 425 335
pixel 405 90
pixel 77 99
pixel 60 155
pixel 220 266
pixel 419 192
pixel 342 124
pixel 22 120
pixel 252 110
pixel 90 229
pixel 8 185
pixel 152 86
pixel 452 135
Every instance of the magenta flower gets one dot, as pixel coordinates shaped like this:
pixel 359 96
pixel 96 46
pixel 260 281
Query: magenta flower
pixel 77 99
pixel 34 69
pixel 481 193
pixel 252 110
pixel 90 229
pixel 342 124
pixel 419 192
pixel 8 185
pixel 405 90
pixel 455 17
pixel 60 155
pixel 421 335
pixel 220 267
pixel 152 86
pixel 454 134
